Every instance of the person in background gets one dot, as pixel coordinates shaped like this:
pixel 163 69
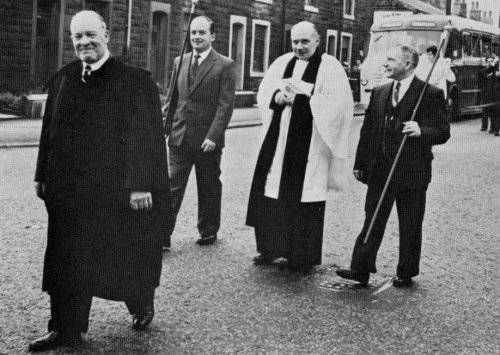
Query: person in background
pixel 442 72
pixel 201 107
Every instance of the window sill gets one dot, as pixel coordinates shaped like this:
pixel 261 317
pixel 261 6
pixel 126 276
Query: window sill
pixel 310 8
pixel 265 1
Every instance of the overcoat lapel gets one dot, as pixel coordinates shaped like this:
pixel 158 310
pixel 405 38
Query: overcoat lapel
pixel 384 97
pixel 203 70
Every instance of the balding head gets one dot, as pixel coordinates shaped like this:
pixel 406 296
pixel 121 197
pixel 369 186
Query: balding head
pixel 305 39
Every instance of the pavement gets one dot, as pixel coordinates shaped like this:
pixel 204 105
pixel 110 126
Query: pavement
pixel 213 300
pixel 17 131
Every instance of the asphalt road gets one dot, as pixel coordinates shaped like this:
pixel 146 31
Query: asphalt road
pixel 212 300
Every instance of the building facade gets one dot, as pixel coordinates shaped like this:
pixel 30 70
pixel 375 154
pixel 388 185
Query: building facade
pixel 35 40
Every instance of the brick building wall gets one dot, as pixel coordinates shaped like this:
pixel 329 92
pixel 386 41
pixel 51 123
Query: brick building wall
pixel 24 64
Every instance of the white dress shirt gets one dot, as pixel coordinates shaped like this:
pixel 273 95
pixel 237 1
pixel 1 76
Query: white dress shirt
pixel 405 84
pixel 97 65
pixel 203 55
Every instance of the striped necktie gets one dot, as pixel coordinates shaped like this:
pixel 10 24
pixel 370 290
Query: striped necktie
pixel 396 93
pixel 86 73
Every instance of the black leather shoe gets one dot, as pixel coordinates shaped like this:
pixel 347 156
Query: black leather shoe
pixel 207 239
pixel 402 282
pixel 141 320
pixel 54 339
pixel 361 277
pixel 263 260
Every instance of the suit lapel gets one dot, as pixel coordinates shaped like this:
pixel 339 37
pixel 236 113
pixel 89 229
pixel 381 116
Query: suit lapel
pixel 203 69
pixel 384 96
pixel 408 102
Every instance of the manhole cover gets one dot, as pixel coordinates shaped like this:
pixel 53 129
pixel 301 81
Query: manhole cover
pixel 326 279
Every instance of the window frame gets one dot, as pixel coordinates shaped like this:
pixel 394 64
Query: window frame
pixel 242 20
pixel 311 8
pixel 254 73
pixel 335 33
pixel 346 34
pixel 351 15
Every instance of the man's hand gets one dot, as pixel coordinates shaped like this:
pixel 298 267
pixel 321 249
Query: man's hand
pixel 141 200
pixel 208 146
pixel 358 174
pixel 289 97
pixel 411 128
pixel 279 98
pixel 40 190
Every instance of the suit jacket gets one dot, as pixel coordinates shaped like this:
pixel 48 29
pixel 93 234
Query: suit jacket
pixel 414 166
pixel 204 109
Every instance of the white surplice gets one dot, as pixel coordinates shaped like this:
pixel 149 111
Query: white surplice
pixel 332 109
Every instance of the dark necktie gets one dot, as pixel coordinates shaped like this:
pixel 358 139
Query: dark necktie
pixel 194 68
pixel 86 73
pixel 396 93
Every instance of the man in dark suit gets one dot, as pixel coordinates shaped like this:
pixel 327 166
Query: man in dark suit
pixel 200 110
pixel 386 122
pixel 102 174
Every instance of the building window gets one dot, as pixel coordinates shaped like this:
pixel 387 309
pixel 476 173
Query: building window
pixel 349 9
pixel 159 38
pixel 331 42
pixel 237 40
pixel 346 48
pixel 259 54
pixel 311 5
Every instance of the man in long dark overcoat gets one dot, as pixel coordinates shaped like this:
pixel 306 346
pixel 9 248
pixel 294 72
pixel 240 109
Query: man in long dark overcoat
pixel 102 172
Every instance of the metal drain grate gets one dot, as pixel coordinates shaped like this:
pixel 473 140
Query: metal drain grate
pixel 326 279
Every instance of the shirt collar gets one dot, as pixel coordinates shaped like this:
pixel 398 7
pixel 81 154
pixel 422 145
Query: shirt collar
pixel 97 65
pixel 202 55
pixel 405 83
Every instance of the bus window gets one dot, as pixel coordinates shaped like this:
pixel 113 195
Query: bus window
pixel 454 45
pixel 495 48
pixel 467 44
pixel 476 45
pixel 485 47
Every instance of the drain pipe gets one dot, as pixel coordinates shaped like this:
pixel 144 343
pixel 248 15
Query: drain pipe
pixel 129 26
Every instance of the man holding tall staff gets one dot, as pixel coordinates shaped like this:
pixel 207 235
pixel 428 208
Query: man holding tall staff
pixel 385 124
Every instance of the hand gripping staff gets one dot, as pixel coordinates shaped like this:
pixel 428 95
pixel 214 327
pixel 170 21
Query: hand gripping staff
pixel 444 40
pixel 173 91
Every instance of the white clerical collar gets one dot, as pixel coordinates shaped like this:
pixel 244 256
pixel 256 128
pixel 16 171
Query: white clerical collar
pixel 202 55
pixel 97 65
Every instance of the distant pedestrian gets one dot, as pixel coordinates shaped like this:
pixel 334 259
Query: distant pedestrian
pixel 201 107
pixel 442 72
pixel 489 82
pixel 307 110
pixel 103 175
pixel 386 122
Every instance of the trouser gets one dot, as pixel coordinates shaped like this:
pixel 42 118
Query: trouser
pixel 207 168
pixel 493 114
pixel 410 205
pixel 69 312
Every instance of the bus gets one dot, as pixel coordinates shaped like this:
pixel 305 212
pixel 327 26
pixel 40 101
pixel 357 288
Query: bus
pixel 469 44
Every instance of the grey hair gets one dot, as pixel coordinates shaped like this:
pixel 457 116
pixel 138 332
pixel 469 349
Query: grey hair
pixel 409 52
pixel 89 13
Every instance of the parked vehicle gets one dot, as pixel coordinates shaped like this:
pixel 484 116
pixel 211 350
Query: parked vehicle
pixel 469 44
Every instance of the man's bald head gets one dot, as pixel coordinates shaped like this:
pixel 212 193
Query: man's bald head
pixel 305 39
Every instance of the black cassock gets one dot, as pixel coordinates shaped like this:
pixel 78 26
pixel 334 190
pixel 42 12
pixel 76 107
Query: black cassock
pixel 101 140
pixel 286 227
